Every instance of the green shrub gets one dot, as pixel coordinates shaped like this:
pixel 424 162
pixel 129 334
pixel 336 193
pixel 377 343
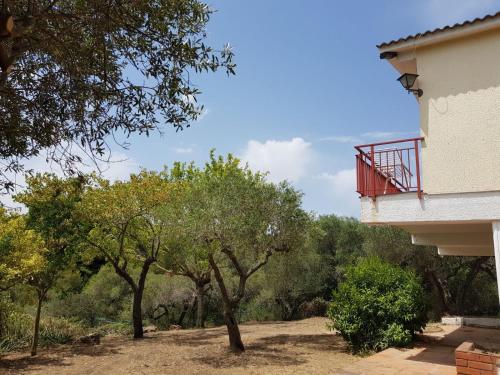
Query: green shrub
pixel 59 331
pixel 17 331
pixel 378 305
pixel 105 297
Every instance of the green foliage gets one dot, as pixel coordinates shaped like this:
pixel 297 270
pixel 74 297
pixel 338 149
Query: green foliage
pixel 378 305
pixel 129 224
pixel 86 96
pixel 105 298
pixel 18 331
pixel 455 285
pixel 339 244
pixel 288 283
pixel 165 298
pixel 22 251
pixel 50 201
pixel 104 302
pixel 122 218
pixel 226 234
pixel 237 220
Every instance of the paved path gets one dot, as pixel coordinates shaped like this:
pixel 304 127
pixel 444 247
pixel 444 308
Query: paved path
pixel 424 359
pixel 434 354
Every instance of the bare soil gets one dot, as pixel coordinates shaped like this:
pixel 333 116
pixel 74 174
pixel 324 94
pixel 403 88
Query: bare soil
pixel 300 347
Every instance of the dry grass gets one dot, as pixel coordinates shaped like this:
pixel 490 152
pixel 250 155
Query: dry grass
pixel 301 347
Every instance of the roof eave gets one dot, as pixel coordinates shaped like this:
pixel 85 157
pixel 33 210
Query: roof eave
pixel 439 36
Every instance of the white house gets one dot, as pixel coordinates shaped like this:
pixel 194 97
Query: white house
pixel 443 187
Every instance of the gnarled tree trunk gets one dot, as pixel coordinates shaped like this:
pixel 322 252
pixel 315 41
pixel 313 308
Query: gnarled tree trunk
pixel 200 306
pixel 137 314
pixel 36 329
pixel 442 290
pixel 472 273
pixel 233 331
pixel 137 303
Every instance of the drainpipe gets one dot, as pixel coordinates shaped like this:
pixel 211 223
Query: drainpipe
pixel 496 244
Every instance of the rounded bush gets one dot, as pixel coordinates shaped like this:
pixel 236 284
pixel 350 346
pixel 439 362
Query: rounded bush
pixel 378 305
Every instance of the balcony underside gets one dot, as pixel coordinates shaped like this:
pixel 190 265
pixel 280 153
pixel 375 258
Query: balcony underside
pixel 458 224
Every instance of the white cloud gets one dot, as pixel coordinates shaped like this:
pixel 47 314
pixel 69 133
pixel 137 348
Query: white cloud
pixel 190 99
pixel 204 113
pixel 438 13
pixel 119 167
pixel 183 150
pixel 342 191
pixel 284 160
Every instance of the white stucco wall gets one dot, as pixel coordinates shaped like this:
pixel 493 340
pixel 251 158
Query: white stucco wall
pixel 460 114
pixel 407 209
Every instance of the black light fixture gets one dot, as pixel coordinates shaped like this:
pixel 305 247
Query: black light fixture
pixel 408 80
pixel 388 55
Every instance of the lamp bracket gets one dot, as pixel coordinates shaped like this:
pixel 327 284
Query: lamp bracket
pixel 417 92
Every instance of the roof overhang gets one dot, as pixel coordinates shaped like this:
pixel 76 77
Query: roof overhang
pixel 401 53
pixel 444 34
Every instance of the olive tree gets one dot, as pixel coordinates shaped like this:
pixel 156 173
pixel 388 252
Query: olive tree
pixel 187 258
pixel 50 202
pixel 21 250
pixel 75 74
pixel 241 220
pixel 121 222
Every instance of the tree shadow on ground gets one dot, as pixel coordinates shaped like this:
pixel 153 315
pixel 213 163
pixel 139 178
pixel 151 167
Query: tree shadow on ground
pixel 252 357
pixel 322 342
pixel 56 356
pixel 195 338
pixel 278 350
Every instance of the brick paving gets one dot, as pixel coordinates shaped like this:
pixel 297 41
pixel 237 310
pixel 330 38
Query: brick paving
pixel 434 354
pixel 423 359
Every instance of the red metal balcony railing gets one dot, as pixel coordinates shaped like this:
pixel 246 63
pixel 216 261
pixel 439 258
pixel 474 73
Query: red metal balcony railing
pixel 389 168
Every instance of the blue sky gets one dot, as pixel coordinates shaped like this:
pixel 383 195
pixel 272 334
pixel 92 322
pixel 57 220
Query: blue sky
pixel 309 86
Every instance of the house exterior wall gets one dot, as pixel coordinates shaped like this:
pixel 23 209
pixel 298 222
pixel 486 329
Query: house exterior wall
pixel 460 114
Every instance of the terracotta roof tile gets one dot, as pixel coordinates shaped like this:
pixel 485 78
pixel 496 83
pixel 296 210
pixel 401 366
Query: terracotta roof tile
pixel 440 29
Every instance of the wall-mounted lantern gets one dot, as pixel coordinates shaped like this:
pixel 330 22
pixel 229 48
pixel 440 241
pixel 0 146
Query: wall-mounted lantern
pixel 408 80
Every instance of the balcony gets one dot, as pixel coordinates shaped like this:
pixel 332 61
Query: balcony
pixel 389 168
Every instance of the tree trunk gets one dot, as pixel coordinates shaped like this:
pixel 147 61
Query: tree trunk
pixel 137 303
pixel 34 344
pixel 200 307
pixel 205 311
pixel 443 291
pixel 235 343
pixel 233 331
pixel 137 314
pixel 471 276
pixel 185 309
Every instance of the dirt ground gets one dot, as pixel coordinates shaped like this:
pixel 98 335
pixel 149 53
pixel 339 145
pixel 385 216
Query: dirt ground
pixel 300 347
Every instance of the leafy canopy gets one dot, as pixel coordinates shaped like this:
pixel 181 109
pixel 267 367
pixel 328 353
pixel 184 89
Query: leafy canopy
pixel 51 201
pixel 241 211
pixel 75 72
pixel 124 221
pixel 22 251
